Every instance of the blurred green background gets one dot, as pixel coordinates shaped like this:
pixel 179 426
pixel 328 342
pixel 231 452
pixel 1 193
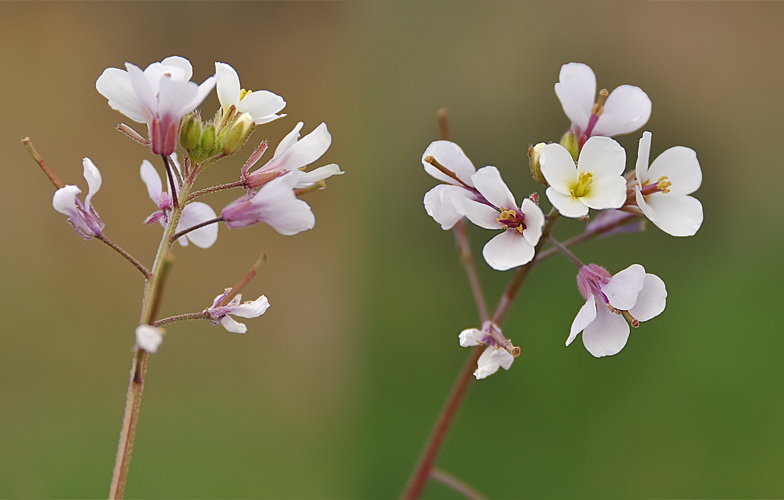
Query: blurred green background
pixel 332 393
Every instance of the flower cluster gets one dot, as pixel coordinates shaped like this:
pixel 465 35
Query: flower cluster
pixel 163 97
pixel 582 172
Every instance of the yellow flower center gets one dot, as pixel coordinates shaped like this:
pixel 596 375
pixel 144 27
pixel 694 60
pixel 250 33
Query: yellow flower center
pixel 512 219
pixel 582 186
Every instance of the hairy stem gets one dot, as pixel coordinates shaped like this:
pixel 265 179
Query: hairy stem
pixel 125 254
pixel 214 189
pixel 181 317
pixel 200 225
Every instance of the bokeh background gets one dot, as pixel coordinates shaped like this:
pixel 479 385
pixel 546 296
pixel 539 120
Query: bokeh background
pixel 332 393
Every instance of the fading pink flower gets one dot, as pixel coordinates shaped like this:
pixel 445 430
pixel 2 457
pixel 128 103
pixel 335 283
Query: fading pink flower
pixel 494 356
pixel 82 216
pixel 251 309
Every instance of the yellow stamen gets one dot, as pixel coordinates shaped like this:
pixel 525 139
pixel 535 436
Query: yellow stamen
pixel 244 93
pixel 663 184
pixel 510 215
pixel 581 188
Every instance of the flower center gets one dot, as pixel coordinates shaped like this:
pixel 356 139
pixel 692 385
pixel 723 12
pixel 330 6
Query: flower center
pixel 582 186
pixel 244 93
pixel 662 186
pixel 512 219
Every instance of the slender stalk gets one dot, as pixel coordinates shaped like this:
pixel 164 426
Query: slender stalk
pixel 464 244
pixel 181 317
pixel 429 454
pixel 150 303
pixel 583 237
pixel 125 254
pixel 569 255
pixel 28 144
pixel 456 484
pixel 197 226
pixel 214 189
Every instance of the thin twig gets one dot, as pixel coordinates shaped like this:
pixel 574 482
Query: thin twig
pixel 181 317
pixel 456 484
pixel 125 254
pixel 41 163
pixel 214 189
pixel 464 244
pixel 200 225
pixel 170 175
pixel 569 255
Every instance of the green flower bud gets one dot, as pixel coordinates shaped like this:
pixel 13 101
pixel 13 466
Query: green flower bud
pixel 533 162
pixel 571 143
pixel 238 133
pixel 207 140
pixel 190 132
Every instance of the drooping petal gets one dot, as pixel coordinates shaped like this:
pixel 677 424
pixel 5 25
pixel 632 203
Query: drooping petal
pixel 471 337
pixel 558 168
pixel 607 334
pixel 262 105
pixel 228 85
pixel 440 204
pixel 623 287
pixel 252 309
pixel 307 179
pixel 292 154
pixel 643 157
pixel 576 90
pixel 491 360
pixel 115 85
pixel 153 182
pixel 534 221
pixel 93 178
pixel 233 326
pixel 584 317
pixel 488 181
pixel 679 164
pixel 64 200
pixel 507 250
pixel 651 300
pixel 196 213
pixel 451 156
pixel 276 204
pixel 566 204
pixel 675 215
pixel 149 338
pixel 626 109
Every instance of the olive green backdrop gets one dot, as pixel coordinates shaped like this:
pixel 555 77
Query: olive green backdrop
pixel 332 393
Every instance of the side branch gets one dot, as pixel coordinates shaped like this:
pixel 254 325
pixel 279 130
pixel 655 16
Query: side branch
pixel 463 243
pixel 456 484
pixel 175 236
pixel 214 189
pixel 126 255
pixel 41 163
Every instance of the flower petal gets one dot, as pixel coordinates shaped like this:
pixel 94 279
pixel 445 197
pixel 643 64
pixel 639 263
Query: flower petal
pixel 252 309
pixel 607 334
pixel 488 181
pixel 623 287
pixel 603 157
pixel 585 317
pixel 288 141
pixel 471 337
pixel 534 221
pixel 64 200
pixel 196 213
pixel 576 90
pixel 307 179
pixel 115 85
pixel 558 168
pixel 153 182
pixel 566 204
pixel 507 250
pixel 233 326
pixel 643 157
pixel 681 167
pixel 440 205
pixel 675 215
pixel 491 360
pixel 451 156
pixel 228 85
pixel 479 213
pixel 262 105
pixel 651 300
pixel 626 109
pixel 93 178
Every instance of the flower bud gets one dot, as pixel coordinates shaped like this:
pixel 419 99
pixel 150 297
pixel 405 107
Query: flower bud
pixel 238 133
pixel 571 143
pixel 190 132
pixel 207 140
pixel 533 162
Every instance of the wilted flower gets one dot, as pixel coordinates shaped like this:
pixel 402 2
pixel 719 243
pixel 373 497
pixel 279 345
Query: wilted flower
pixel 244 310
pixel 158 96
pixel 82 217
pixel 494 357
pixel 630 293
pixel 662 191
pixel 193 214
pixel 595 182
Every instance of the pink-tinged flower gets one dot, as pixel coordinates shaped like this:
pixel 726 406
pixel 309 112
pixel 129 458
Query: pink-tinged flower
pixel 662 190
pixel 251 309
pixel 631 293
pixel 275 204
pixel 149 338
pixel 82 216
pixel 158 96
pixel 194 213
pixel 261 105
pixel 595 182
pixel 494 357
pixel 522 227
pixel 627 108
pixel 440 201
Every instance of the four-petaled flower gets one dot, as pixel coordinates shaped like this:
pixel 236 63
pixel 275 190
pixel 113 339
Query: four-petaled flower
pixel 631 293
pixel 626 109
pixel 261 105
pixel 494 357
pixel 194 213
pixel 439 201
pixel 595 182
pixel 82 216
pixel 158 96
pixel 251 309
pixel 522 227
pixel 662 190
pixel 295 154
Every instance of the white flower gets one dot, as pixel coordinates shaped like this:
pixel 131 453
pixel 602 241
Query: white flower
pixel 220 314
pixel 149 338
pixel 627 108
pixel 440 201
pixel 522 227
pixel 630 293
pixel 158 96
pixel 261 105
pixel 82 217
pixel 662 190
pixel 276 204
pixel 294 154
pixel 596 182
pixel 194 213
pixel 494 357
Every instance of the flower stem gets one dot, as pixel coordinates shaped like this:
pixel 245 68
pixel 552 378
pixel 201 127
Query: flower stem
pixel 464 244
pixel 28 144
pixel 181 317
pixel 214 189
pixel 200 225
pixel 150 304
pixel 569 255
pixel 456 484
pixel 125 254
